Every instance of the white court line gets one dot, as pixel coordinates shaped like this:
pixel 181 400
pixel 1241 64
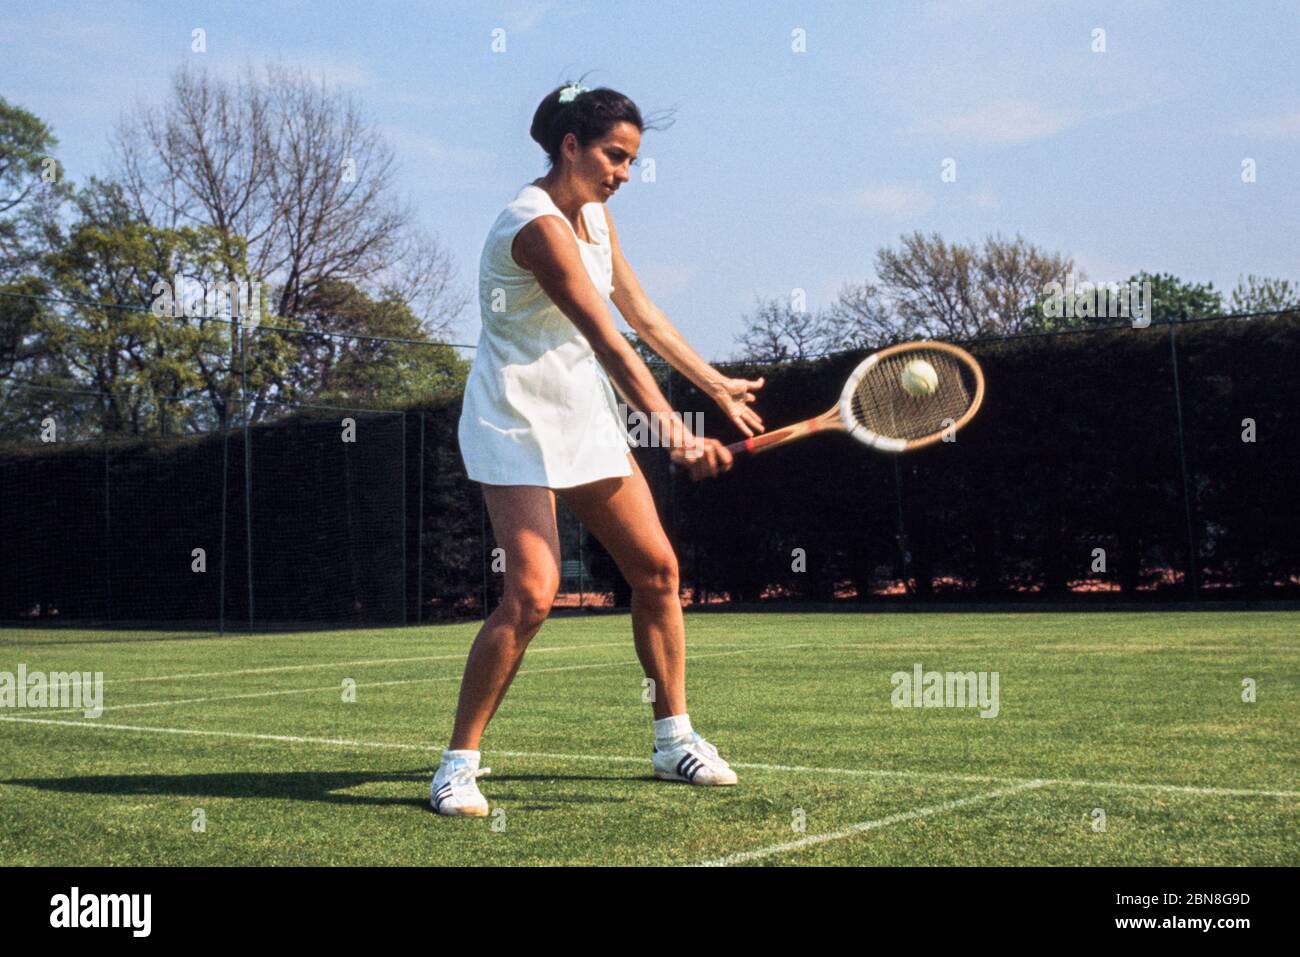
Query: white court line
pixel 993 779
pixel 1015 648
pixel 831 646
pixel 386 684
pixel 373 661
pixel 855 829
pixel 618 759
pixel 341 664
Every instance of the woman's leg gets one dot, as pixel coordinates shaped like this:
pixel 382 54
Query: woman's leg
pixel 621 513
pixel 523 523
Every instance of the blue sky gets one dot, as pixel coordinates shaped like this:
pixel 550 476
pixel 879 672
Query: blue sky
pixel 784 169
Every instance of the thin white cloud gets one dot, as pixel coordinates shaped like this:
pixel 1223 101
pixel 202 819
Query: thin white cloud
pixel 983 198
pixel 1001 122
pixel 522 17
pixel 898 200
pixel 419 146
pixel 662 279
pixel 1283 127
pixel 1101 267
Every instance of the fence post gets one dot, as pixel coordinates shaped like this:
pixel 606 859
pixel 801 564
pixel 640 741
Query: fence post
pixel 248 465
pixel 419 537
pixel 108 531
pixel 225 486
pixel 404 542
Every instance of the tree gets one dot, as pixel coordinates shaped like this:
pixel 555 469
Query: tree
pixel 1172 298
pixel 18 319
pixel 292 169
pixel 1263 294
pixel 365 370
pixel 156 372
pixel 778 331
pixel 1012 276
pixel 859 318
pixel 958 291
pixel 32 189
pixel 932 286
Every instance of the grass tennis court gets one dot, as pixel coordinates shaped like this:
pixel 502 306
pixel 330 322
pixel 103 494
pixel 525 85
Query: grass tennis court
pixel 1137 714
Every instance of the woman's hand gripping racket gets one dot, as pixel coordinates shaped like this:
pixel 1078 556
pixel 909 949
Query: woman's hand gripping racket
pixel 901 398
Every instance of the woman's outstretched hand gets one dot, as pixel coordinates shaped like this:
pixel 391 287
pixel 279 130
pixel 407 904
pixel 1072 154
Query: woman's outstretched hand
pixel 736 398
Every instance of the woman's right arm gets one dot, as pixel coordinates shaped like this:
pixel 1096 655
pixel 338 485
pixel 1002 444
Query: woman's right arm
pixel 547 249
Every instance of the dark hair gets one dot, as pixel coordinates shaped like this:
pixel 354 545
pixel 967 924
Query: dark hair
pixel 588 116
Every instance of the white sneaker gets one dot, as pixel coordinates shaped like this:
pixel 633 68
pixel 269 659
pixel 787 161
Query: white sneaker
pixel 694 761
pixel 454 791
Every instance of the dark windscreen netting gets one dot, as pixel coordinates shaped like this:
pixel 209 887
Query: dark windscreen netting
pixel 162 523
pixel 814 520
pixel 327 520
pixel 158 533
pixel 53 560
pixel 1092 469
pixel 1066 458
pixel 1238 381
pixel 104 531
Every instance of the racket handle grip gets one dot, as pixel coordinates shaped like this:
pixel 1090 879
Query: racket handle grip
pixel 770 440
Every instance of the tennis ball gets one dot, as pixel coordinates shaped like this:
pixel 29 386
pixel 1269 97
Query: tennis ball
pixel 919 378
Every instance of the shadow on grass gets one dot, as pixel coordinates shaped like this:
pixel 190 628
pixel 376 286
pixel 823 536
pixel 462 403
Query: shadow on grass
pixel 324 786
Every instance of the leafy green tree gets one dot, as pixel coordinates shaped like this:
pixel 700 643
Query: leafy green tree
pixel 157 373
pixel 346 366
pixel 1264 294
pixel 1173 298
pixel 32 189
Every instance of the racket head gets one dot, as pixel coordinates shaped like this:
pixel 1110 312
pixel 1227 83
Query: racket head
pixel 875 409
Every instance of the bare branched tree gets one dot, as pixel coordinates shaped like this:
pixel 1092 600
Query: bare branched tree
pixel 778 331
pixel 1013 277
pixel 859 318
pixel 292 167
pixel 426 280
pixel 963 291
pixel 932 286
pixel 204 158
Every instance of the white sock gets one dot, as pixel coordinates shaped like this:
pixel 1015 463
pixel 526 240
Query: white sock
pixel 463 755
pixel 670 729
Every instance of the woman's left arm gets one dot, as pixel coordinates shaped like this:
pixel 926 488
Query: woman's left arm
pixel 734 396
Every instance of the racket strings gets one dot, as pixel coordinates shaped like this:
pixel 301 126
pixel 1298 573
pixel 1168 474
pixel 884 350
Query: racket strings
pixel 882 405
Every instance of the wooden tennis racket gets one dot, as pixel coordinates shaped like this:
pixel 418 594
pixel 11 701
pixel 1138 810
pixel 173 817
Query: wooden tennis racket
pixel 877 409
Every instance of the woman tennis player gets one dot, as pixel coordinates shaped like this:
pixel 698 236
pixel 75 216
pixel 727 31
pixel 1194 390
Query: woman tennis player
pixel 540 420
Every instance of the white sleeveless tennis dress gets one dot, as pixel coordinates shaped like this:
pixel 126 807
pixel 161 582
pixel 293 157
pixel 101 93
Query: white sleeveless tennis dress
pixel 538 409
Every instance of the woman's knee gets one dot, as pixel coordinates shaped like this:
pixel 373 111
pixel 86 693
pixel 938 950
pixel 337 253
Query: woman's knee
pixel 658 574
pixel 528 604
